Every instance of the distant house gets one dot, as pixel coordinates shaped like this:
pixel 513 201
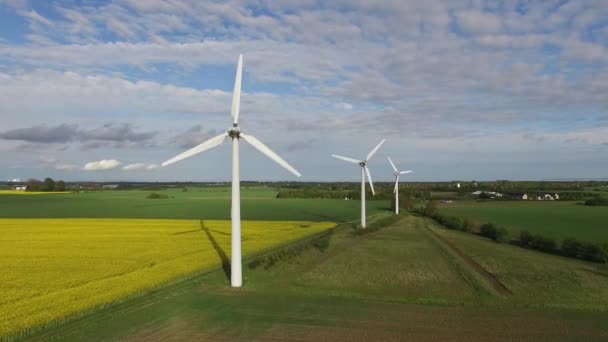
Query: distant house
pixel 492 194
pixel 21 187
pixel 548 197
pixel 458 185
pixel 556 196
pixel 524 197
pixel 110 186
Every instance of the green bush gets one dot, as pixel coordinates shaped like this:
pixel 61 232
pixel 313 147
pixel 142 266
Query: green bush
pixel 498 234
pixel 593 252
pixel 525 239
pixel 572 248
pixel 542 243
pixel 155 195
pixel 60 186
pixel 585 250
pixel 537 242
pixel 502 235
pixel 597 201
pixel 466 225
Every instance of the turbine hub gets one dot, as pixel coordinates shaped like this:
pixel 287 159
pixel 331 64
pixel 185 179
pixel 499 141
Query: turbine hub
pixel 234 132
pixel 362 164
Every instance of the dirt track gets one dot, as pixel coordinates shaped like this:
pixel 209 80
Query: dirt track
pixel 489 277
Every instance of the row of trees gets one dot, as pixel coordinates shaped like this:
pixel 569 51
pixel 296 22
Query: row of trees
pixel 351 191
pixel 48 184
pixel 571 247
pixel 597 201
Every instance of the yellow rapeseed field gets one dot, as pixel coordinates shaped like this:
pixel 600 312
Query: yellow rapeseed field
pixel 53 268
pixel 20 192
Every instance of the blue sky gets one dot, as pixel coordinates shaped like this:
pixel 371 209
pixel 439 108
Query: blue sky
pixel 107 90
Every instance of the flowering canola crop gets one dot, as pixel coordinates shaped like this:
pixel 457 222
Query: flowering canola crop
pixel 19 192
pixel 54 268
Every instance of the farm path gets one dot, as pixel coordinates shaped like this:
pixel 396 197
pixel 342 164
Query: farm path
pixel 488 277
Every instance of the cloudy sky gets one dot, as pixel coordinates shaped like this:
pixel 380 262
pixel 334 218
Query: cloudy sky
pixel 106 90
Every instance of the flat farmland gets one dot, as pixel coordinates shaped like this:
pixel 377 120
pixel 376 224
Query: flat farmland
pixel 370 287
pixel 196 203
pixel 54 268
pixel 555 219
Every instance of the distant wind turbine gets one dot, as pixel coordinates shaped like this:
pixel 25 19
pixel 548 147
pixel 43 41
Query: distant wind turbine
pixel 364 171
pixel 234 133
pixel 397 173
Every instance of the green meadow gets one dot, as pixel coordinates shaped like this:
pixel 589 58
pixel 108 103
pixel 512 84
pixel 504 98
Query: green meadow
pixel 212 203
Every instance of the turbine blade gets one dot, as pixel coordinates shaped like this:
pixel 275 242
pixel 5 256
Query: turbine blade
pixel 371 154
pixel 369 178
pixel 350 160
pixel 392 164
pixel 404 172
pixel 198 149
pixel 269 153
pixel 396 184
pixel 236 95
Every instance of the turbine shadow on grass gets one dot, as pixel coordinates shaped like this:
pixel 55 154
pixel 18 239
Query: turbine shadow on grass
pixel 220 252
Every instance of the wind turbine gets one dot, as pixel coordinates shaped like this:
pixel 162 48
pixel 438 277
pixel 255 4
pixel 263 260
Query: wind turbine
pixel 397 173
pixel 234 133
pixel 364 171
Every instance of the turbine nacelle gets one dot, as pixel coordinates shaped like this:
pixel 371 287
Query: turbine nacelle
pixel 234 132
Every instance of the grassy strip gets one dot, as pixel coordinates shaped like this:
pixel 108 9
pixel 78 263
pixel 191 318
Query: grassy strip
pixel 470 276
pixel 320 241
pixel 378 222
pixel 286 252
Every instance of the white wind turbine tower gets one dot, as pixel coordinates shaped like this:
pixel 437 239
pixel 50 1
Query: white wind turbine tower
pixel 364 171
pixel 397 173
pixel 234 133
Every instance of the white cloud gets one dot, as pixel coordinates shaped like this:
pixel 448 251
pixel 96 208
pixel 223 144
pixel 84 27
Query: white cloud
pixel 105 164
pixel 34 16
pixel 140 167
pixel 476 22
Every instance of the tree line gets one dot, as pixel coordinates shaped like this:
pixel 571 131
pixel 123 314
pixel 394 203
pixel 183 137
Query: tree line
pixel 47 185
pixel 570 247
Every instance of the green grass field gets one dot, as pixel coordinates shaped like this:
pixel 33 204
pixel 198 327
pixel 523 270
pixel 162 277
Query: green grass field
pixel 558 220
pixel 206 203
pixel 372 287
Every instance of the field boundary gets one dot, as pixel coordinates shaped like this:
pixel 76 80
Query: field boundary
pixel 319 240
pixel 488 277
